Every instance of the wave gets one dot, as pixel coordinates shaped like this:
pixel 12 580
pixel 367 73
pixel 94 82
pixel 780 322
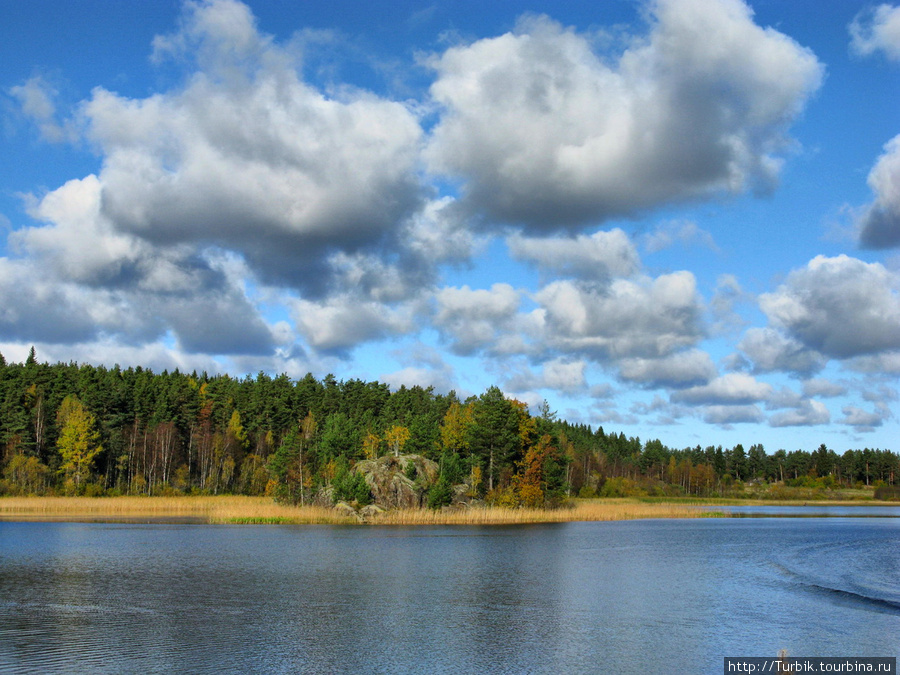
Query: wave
pixel 871 601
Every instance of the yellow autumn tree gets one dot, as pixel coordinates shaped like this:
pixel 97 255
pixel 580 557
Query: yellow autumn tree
pixel 396 438
pixel 79 441
pixel 455 427
pixel 371 443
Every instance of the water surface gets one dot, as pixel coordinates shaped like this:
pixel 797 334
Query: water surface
pixel 655 596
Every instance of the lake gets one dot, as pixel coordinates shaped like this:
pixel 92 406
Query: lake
pixel 652 596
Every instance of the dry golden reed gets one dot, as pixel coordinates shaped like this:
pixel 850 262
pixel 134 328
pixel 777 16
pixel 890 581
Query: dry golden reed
pixel 235 509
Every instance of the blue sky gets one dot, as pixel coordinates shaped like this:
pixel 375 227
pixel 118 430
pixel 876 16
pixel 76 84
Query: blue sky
pixel 676 219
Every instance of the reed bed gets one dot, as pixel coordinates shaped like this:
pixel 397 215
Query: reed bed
pixel 212 509
pixel 261 510
pixel 582 511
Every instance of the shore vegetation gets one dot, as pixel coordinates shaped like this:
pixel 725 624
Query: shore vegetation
pixel 70 430
pixel 261 510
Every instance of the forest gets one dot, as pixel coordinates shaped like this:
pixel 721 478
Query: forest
pixel 78 429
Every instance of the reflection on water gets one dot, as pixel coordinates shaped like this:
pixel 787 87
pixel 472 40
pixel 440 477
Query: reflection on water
pixel 645 596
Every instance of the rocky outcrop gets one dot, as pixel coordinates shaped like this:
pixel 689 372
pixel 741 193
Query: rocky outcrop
pixel 399 482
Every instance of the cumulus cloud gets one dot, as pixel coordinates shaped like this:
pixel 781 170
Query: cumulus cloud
pixel 879 224
pixel 729 389
pixel 39 310
pixel 440 380
pixel 669 233
pixel 37 101
pixel 249 157
pixel 683 369
pixel 544 132
pixel 306 193
pixel 422 366
pixel 560 374
pixel 596 257
pixel 886 364
pixel 877 29
pixel 726 415
pixel 637 318
pixel 807 414
pixel 476 319
pixel 840 307
pixel 770 350
pixel 862 420
pixel 823 388
pixel 343 321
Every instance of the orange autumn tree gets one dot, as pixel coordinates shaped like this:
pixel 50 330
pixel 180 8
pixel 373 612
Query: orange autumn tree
pixel 530 482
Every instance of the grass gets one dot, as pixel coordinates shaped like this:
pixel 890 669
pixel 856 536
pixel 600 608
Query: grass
pixel 261 510
pixel 584 510
pixel 220 509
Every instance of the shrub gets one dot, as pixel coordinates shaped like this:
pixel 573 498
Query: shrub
pixel 440 494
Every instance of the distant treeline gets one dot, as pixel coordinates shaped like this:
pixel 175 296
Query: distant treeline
pixel 82 429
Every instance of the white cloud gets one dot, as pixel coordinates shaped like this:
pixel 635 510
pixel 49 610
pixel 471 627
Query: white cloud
pixel 877 29
pixel 729 389
pixel 823 388
pixel 879 224
pixel 672 232
pixel 679 370
pixel 476 319
pixel 840 307
pixel 441 380
pixel 564 375
pixel 862 420
pixel 342 322
pixel 726 415
pixel 638 318
pixel 886 364
pixel 439 233
pixel 771 351
pixel 561 374
pixel 596 257
pixel 249 157
pixel 545 133
pixel 809 413
pixel 37 100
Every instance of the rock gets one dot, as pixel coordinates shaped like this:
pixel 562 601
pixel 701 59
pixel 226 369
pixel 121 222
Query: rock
pixel 370 512
pixel 389 480
pixel 323 497
pixel 344 509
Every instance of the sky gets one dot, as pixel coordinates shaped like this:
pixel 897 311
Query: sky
pixel 675 219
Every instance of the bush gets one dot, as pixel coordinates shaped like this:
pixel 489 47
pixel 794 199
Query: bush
pixel 622 487
pixel 887 492
pixel 351 487
pixel 440 494
pixel 93 490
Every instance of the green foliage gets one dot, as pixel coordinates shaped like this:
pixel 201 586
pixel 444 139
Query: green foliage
pixel 411 472
pixel 153 433
pixel 453 467
pixel 350 486
pixel 25 475
pixel 622 487
pixel 440 494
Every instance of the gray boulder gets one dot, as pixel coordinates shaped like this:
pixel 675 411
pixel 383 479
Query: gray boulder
pixel 399 482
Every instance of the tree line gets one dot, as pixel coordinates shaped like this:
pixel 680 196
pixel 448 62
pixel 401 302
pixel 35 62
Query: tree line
pixel 70 428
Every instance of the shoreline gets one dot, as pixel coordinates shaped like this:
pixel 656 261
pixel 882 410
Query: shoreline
pixel 230 509
pixel 261 510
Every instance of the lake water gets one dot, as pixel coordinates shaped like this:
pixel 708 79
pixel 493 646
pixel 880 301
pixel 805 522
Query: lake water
pixel 653 596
